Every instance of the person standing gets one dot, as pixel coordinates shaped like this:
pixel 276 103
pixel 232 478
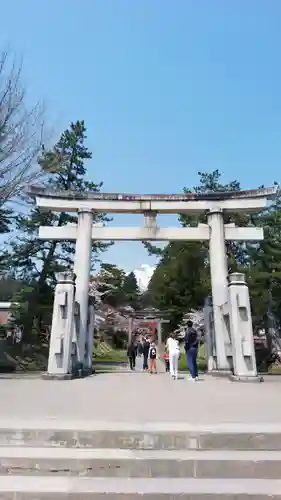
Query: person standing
pixel 152 355
pixel 145 351
pixel 132 353
pixel 191 350
pixel 139 348
pixel 166 359
pixel 173 349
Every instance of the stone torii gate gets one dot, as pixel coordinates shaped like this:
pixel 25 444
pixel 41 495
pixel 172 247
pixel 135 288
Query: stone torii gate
pixel 213 205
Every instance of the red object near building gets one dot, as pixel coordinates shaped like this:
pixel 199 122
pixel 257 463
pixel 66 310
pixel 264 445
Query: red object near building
pixel 151 325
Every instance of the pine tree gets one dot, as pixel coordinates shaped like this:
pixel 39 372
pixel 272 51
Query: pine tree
pixel 111 281
pixel 131 291
pixel 263 269
pixel 182 278
pixel 36 261
pixel 6 215
pixel 210 182
pixel 180 282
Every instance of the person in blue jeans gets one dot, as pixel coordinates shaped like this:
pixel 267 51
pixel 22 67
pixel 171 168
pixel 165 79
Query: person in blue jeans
pixel 145 351
pixel 191 350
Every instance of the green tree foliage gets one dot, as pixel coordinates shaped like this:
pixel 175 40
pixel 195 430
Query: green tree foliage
pixel 182 278
pixel 180 281
pixel 211 183
pixel 36 261
pixel 110 284
pixel 131 291
pixel 117 288
pixel 6 217
pixel 9 286
pixel 263 268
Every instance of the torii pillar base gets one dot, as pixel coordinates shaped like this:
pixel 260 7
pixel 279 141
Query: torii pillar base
pixel 57 376
pixel 255 379
pixel 68 376
pixel 220 373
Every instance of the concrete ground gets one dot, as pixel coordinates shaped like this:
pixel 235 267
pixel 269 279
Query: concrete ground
pixel 138 398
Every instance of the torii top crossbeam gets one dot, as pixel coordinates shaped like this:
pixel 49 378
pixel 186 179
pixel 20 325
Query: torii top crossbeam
pixel 70 201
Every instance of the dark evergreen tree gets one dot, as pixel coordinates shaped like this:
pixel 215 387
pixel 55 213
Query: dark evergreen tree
pixel 182 278
pixel 131 291
pixel 6 217
pixel 9 286
pixel 263 268
pixel 36 261
pixel 181 281
pixel 110 284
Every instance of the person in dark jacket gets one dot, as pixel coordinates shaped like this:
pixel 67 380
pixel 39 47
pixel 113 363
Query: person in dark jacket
pixel 132 353
pixel 139 348
pixel 145 351
pixel 191 350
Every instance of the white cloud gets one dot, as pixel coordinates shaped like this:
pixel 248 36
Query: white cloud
pixel 143 275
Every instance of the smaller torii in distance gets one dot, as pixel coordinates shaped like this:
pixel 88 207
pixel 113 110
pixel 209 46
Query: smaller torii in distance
pixel 151 318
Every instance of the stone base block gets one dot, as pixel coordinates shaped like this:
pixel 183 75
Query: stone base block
pixel 66 488
pixel 57 376
pixel 68 376
pixel 234 378
pixel 88 372
pixel 117 463
pixel 136 437
pixel 220 373
pixel 256 380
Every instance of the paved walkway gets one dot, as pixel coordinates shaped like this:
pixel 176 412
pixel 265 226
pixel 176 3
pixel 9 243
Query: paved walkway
pixel 139 365
pixel 137 397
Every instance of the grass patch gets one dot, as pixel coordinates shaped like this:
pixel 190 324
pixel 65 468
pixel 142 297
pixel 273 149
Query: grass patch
pixel 26 357
pixel 202 363
pixel 34 357
pixel 109 369
pixel 201 360
pixel 275 370
pixel 104 353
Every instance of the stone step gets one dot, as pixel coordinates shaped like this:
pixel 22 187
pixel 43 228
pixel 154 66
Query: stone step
pixel 65 488
pixel 157 436
pixel 116 463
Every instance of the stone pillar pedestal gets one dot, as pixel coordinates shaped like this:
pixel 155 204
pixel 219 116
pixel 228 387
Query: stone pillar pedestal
pixel 209 332
pixel 219 271
pixel 244 359
pixel 82 267
pixel 59 363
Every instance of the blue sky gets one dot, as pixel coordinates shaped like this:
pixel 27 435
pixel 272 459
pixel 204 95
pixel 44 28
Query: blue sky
pixel 166 88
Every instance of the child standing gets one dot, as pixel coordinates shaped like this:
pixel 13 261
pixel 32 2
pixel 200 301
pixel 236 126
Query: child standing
pixel 152 355
pixel 167 362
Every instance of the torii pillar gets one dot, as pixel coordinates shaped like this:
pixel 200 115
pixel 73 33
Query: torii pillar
pixel 219 272
pixel 82 268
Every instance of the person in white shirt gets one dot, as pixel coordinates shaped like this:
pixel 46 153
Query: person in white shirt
pixel 173 349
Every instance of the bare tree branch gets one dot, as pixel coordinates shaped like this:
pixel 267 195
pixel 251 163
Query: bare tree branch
pixel 21 131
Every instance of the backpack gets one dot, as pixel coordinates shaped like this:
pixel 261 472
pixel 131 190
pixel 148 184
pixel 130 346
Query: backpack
pixel 191 339
pixel 152 353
